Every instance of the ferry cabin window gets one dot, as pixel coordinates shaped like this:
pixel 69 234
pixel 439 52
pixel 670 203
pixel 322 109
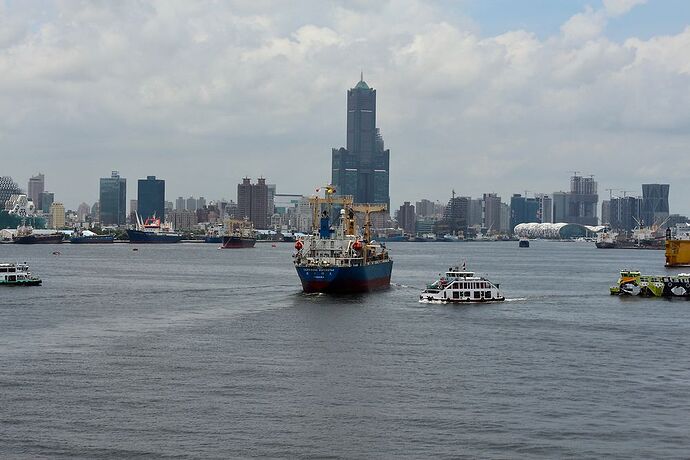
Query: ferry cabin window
pixel 476 294
pixel 3 269
pixel 467 294
pixel 456 294
pixel 487 294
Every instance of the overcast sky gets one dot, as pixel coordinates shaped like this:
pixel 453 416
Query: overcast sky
pixel 478 96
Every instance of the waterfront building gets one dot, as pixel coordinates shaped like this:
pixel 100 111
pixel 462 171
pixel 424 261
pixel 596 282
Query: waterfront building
pixel 8 188
pixel 45 199
pixel 151 198
pixel 57 215
pixel 425 225
pixel 455 216
pixel 304 215
pixel 560 205
pixel 180 204
pixel 505 218
pixel 655 207
pixel 252 202
pixel 606 212
pixel 407 218
pixel 545 208
pixel 200 202
pixel 523 210
pixel 361 169
pixel 491 212
pixel 36 187
pixel 113 200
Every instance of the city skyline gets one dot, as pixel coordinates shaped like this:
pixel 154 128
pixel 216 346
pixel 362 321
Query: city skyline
pixel 483 97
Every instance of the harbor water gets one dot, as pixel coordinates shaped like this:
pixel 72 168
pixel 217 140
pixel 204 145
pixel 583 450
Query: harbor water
pixel 187 351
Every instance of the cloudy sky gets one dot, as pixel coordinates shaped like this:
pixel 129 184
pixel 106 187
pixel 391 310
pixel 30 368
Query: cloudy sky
pixel 478 96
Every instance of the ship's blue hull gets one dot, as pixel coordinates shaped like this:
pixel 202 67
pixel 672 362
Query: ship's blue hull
pixel 138 236
pixel 346 279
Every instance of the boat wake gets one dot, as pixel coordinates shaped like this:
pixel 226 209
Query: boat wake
pixel 519 299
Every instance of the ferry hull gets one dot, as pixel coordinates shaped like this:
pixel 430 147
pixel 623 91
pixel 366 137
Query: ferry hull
pixel 20 283
pixel 138 236
pixel 677 253
pixel 40 239
pixel 236 242
pixel 345 280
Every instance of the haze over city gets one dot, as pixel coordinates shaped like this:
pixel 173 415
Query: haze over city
pixel 473 96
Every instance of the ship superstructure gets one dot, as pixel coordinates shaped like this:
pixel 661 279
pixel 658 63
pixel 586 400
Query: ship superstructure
pixel 336 257
pixel 459 285
pixel 152 231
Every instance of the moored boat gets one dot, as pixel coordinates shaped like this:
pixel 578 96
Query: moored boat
pixel 88 237
pixel 458 285
pixel 339 259
pixel 523 243
pixel 239 234
pixel 152 231
pixel 27 235
pixel 632 282
pixel 17 274
pixel 677 246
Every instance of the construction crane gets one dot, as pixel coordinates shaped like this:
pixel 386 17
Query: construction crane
pixel 611 190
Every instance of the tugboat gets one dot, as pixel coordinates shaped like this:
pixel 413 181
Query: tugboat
pixel 632 282
pixel 340 260
pixel 152 231
pixel 239 234
pixel 523 243
pixel 461 286
pixel 18 274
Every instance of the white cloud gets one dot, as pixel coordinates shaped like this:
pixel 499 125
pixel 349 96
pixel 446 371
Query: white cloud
pixel 619 7
pixel 203 93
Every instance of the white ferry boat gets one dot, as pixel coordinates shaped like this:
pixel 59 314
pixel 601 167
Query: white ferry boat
pixel 12 274
pixel 461 286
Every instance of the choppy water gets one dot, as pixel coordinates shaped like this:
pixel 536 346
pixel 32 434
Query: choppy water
pixel 187 351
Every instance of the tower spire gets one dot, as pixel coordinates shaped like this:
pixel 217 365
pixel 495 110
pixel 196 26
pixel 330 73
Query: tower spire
pixel 361 75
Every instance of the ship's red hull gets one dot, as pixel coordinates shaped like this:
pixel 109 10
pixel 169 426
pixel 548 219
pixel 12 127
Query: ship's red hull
pixel 236 242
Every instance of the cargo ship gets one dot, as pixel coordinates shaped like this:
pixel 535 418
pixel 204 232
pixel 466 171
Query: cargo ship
pixel 336 258
pixel 677 246
pixel 632 282
pixel 26 235
pixel 238 234
pixel 153 232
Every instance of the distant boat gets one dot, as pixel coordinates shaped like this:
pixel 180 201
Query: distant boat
pixel 26 235
pixel 12 274
pixel 87 237
pixel 523 243
pixel 239 234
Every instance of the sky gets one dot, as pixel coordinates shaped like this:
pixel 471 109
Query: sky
pixel 475 96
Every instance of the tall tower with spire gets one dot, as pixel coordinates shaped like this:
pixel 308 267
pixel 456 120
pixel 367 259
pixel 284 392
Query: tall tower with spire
pixel 361 168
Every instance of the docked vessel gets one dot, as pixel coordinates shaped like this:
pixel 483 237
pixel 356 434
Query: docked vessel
pixel 87 237
pixel 153 231
pixel 337 259
pixel 606 240
pixel 17 274
pixel 461 286
pixel 523 243
pixel 677 246
pixel 632 282
pixel 26 235
pixel 238 234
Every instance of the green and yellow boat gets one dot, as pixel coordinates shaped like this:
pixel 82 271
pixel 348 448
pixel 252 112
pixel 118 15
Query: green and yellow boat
pixel 17 274
pixel 632 282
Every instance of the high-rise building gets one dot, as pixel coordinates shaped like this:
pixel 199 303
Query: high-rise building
pixel 83 212
pixel 200 202
pixel 182 219
pixel 252 202
pixel 113 199
pixel 57 215
pixel 36 186
pixel 491 212
pixel 151 198
pixel 582 201
pixel 625 212
pixel 424 208
pixel 523 210
pixel 361 169
pixel 606 212
pixel 455 215
pixel 406 218
pixel 45 199
pixel 545 212
pixel 560 205
pixel 179 204
pixel 474 213
pixel 191 204
pixel 655 207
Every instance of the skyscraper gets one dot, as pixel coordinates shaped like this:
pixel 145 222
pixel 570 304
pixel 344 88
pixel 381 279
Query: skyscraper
pixel 151 198
pixel 36 187
pixel 113 199
pixel 407 218
pixel 45 199
pixel 654 203
pixel 8 187
pixel 491 212
pixel 361 169
pixel 57 215
pixel 252 202
pixel 179 204
pixel 523 210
